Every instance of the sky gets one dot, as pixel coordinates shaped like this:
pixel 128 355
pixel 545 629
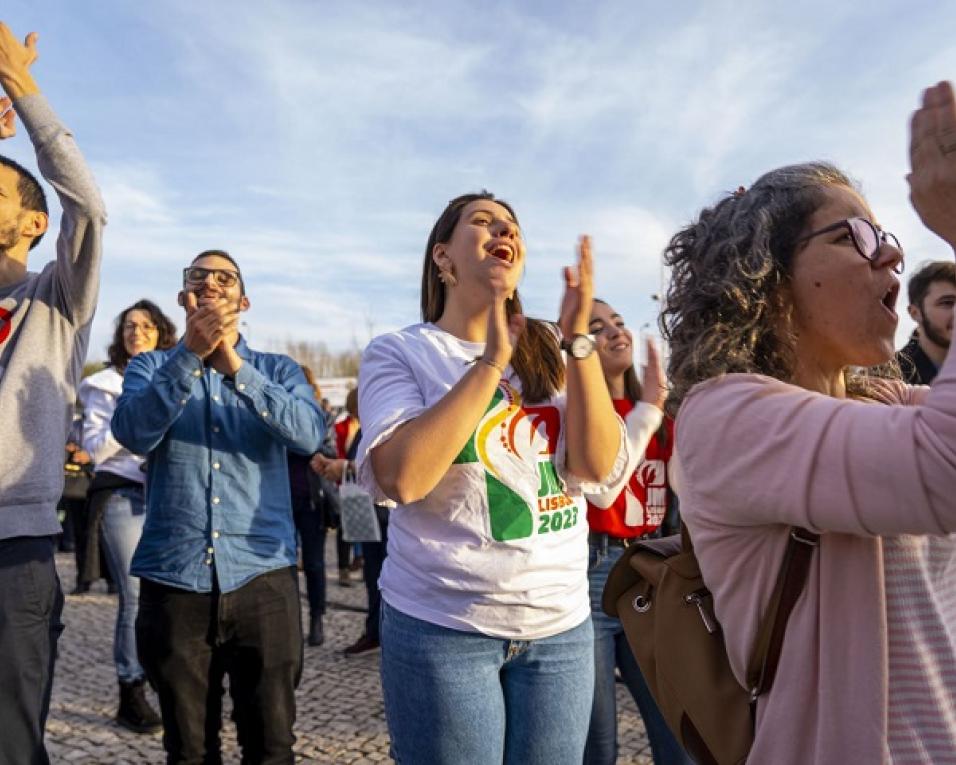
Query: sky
pixel 317 142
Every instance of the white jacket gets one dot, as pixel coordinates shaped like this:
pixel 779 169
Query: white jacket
pixel 98 393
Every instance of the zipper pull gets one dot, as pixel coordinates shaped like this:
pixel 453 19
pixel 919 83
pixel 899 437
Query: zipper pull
pixel 701 599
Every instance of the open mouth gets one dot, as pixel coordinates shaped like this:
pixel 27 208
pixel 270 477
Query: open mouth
pixel 890 297
pixel 622 346
pixel 503 252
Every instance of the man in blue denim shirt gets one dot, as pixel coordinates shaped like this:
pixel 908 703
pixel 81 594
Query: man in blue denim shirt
pixel 217 557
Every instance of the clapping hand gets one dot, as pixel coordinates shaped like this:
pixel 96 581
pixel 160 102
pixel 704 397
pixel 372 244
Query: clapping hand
pixel 206 327
pixel 932 179
pixel 653 389
pixel 578 292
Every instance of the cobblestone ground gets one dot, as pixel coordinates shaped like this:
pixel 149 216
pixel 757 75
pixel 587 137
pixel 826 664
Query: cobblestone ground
pixel 340 713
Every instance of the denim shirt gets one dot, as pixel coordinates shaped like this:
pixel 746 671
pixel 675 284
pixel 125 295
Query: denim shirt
pixel 217 482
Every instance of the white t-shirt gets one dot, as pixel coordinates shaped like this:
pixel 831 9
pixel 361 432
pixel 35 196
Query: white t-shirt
pixel 499 546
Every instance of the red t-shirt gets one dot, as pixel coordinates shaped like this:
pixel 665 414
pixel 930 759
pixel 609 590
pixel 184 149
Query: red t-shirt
pixel 641 505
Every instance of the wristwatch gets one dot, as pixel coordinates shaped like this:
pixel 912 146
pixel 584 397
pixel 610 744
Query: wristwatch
pixel 579 346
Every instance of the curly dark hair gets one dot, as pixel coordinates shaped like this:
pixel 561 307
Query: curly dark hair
pixel 118 356
pixel 725 309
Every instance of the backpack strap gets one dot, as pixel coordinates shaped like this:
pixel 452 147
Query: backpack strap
pixel 790 583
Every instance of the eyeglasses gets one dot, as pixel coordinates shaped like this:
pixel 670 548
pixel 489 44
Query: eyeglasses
pixel 867 238
pixel 224 277
pixel 146 328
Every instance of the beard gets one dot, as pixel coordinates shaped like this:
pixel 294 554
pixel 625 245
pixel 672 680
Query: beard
pixel 936 335
pixel 9 236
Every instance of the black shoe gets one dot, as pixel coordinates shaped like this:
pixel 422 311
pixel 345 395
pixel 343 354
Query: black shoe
pixel 134 712
pixel 81 588
pixel 363 645
pixel 316 633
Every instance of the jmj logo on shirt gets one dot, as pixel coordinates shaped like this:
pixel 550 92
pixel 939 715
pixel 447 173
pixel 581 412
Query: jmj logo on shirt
pixel 515 444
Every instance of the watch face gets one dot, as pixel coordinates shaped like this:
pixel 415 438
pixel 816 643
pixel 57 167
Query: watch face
pixel 581 346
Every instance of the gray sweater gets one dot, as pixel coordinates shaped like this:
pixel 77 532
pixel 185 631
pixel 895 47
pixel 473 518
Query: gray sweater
pixel 44 332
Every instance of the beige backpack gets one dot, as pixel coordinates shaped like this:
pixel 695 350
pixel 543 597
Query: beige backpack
pixel 657 592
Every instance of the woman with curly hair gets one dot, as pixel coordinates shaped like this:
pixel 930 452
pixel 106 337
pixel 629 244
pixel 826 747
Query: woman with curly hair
pixel 781 293
pixel 116 496
pixel 473 425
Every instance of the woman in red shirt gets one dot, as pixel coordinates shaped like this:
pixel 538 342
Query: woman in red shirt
pixel 616 521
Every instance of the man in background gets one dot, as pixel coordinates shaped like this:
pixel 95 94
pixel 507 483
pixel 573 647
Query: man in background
pixel 932 295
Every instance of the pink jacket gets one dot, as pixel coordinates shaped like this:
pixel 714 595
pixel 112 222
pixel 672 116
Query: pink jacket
pixel 757 456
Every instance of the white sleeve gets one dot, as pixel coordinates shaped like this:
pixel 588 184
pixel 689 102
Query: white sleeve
pixel 642 422
pixel 98 440
pixel 389 396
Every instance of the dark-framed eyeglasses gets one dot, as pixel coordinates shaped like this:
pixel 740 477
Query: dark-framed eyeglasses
pixel 867 238
pixel 224 276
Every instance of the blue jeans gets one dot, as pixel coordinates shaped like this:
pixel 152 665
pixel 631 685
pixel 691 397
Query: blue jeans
pixel 122 527
pixel 610 649
pixel 463 697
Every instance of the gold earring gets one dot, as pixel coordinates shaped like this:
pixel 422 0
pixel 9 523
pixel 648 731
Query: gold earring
pixel 447 277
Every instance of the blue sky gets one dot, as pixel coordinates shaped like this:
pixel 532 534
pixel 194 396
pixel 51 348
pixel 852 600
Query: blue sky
pixel 318 141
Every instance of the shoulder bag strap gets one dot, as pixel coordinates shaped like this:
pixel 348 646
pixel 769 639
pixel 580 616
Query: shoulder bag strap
pixel 773 627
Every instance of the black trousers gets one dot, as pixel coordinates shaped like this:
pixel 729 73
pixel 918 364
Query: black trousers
pixel 31 604
pixel 374 555
pixel 189 641
pixel 311 527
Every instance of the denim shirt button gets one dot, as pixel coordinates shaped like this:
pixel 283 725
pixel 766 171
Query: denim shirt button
pixel 215 500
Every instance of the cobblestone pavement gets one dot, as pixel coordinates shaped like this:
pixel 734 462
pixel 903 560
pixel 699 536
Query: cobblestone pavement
pixel 340 716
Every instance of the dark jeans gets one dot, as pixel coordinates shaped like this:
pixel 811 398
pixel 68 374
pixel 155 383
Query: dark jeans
pixel 31 604
pixel 189 641
pixel 343 549
pixel 374 555
pixel 311 527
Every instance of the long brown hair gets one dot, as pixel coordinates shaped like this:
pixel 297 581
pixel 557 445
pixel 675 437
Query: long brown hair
pixel 537 357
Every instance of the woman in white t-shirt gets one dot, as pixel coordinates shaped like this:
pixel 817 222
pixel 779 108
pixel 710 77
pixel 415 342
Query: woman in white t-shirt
pixel 487 648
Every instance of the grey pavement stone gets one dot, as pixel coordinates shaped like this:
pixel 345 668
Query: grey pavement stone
pixel 340 714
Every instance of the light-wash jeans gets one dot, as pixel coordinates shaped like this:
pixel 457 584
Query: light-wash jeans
pixel 456 697
pixel 610 650
pixel 122 528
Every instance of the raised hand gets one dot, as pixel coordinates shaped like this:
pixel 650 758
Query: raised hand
pixel 15 61
pixel 653 389
pixel 932 178
pixel 8 127
pixel 578 292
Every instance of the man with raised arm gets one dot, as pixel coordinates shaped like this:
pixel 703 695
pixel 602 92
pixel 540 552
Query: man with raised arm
pixel 45 322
